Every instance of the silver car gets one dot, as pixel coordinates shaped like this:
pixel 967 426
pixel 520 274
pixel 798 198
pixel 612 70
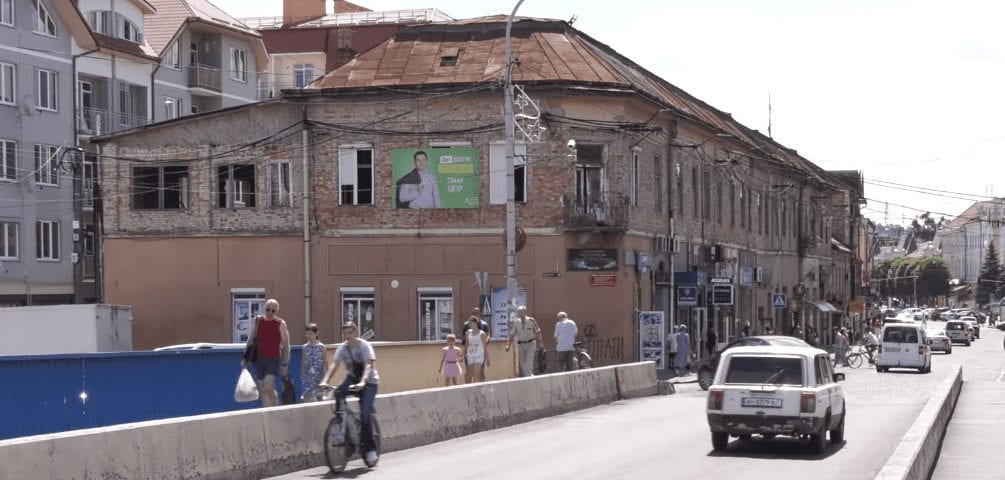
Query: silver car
pixel 939 340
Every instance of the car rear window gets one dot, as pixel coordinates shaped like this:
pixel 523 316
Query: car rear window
pixel 955 326
pixel 769 370
pixel 900 335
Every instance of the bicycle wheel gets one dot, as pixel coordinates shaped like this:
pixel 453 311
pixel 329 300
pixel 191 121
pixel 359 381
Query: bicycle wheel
pixel 337 449
pixel 855 360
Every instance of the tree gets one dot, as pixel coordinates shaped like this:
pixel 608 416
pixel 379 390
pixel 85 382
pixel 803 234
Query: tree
pixel 933 278
pixel 989 283
pixel 879 272
pixel 926 228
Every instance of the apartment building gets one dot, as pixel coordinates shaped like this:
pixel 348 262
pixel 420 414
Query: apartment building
pixel 37 59
pixel 209 60
pixel 632 195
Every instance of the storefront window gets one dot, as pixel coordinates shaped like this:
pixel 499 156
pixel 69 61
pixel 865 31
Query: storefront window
pixel 436 314
pixel 358 306
pixel 246 306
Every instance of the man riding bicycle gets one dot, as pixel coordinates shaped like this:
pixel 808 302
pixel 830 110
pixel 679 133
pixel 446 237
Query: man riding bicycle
pixel 871 343
pixel 361 380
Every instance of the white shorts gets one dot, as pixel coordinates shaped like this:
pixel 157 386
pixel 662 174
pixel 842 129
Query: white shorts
pixel 475 359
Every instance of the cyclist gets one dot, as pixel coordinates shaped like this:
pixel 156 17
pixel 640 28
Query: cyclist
pixel 361 380
pixel 871 343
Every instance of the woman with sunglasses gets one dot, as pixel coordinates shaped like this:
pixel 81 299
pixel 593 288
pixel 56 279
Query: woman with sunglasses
pixel 273 351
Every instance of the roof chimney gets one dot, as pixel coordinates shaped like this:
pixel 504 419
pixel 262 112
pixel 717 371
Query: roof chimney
pixel 299 11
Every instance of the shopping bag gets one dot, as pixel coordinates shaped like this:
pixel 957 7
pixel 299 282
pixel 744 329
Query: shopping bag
pixel 289 394
pixel 246 390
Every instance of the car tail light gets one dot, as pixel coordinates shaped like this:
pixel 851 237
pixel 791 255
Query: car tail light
pixel 808 402
pixel 715 399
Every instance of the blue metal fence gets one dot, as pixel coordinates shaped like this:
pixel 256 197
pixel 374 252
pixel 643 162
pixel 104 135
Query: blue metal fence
pixel 55 393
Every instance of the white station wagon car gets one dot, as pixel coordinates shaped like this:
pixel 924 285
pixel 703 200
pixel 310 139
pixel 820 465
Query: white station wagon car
pixel 771 391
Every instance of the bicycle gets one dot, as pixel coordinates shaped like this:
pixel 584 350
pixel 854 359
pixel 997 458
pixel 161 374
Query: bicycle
pixel 855 358
pixel 581 358
pixel 342 438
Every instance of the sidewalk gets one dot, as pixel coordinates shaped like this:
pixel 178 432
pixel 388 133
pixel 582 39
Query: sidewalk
pixel 972 445
pixel 668 375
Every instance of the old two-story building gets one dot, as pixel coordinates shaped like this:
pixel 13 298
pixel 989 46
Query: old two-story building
pixel 378 195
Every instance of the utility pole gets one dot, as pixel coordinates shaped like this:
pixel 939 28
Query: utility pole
pixel 508 120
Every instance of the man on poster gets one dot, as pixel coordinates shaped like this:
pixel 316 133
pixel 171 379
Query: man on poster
pixel 418 188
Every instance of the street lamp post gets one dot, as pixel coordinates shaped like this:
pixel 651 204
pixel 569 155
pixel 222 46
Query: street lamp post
pixel 508 120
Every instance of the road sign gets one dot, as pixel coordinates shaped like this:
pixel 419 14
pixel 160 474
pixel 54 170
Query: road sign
pixel 722 294
pixel 687 296
pixel 778 300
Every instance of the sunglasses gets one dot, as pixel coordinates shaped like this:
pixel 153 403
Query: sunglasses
pixel 270 310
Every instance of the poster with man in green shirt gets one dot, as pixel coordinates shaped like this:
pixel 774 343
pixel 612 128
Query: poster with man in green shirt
pixel 436 177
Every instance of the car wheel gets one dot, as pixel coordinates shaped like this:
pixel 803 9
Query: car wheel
pixel 704 378
pixel 818 441
pixel 719 441
pixel 880 369
pixel 949 352
pixel 967 343
pixel 837 435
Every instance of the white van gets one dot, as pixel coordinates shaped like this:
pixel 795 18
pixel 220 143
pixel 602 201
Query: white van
pixel 904 345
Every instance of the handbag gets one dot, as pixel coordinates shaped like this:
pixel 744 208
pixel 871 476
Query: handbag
pixel 250 354
pixel 289 392
pixel 246 390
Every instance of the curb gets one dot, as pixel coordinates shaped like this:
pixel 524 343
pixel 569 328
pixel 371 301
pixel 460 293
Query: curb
pixel 918 451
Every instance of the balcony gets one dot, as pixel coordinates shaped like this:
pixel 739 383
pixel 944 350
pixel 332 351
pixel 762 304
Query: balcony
pixel 606 214
pixel 98 121
pixel 204 76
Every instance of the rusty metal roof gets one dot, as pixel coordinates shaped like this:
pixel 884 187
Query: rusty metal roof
pixel 472 51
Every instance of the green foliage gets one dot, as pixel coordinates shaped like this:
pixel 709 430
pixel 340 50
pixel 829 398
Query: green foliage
pixel 932 272
pixel 991 276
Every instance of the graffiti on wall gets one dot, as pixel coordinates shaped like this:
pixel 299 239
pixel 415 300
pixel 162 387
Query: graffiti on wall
pixel 603 350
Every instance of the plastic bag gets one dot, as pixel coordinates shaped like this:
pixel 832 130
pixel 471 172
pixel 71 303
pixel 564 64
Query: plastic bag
pixel 246 390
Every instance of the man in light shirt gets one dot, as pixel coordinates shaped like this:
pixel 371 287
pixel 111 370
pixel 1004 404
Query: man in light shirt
pixel 418 188
pixel 565 339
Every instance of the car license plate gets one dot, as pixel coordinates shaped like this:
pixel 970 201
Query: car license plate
pixel 893 349
pixel 761 402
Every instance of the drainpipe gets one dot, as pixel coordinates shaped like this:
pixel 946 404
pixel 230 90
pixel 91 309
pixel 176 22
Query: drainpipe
pixel 307 225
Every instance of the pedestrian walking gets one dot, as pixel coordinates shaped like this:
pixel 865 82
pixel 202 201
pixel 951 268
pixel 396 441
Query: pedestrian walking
pixel 313 365
pixel 711 341
pixel 272 344
pixel 565 340
pixel 484 326
pixel 841 348
pixel 672 347
pixel 474 349
pixel 746 329
pixel 526 334
pixel 683 351
pixel 450 366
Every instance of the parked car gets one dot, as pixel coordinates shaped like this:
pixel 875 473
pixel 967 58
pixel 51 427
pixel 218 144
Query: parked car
pixel 939 340
pixel 706 370
pixel 972 321
pixel 903 345
pixel 774 390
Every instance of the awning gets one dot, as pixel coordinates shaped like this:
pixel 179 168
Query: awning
pixel 822 305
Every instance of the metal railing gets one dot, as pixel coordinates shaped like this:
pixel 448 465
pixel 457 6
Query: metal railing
pixel 425 15
pixel 607 212
pixel 205 76
pixel 98 121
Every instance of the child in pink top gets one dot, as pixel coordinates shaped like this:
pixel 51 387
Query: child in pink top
pixel 449 364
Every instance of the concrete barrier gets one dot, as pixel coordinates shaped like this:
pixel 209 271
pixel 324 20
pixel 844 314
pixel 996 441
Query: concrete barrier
pixel 266 442
pixel 918 451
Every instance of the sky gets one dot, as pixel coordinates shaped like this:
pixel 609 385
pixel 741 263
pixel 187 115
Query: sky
pixel 910 92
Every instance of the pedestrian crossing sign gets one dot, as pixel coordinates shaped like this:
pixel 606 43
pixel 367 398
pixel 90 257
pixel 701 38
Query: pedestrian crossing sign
pixel 778 300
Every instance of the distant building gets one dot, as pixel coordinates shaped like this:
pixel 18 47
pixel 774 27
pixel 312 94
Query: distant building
pixel 964 239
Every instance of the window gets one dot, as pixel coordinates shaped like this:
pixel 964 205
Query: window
pixel 46 240
pixel 173 56
pixel 7 12
pixel 358 306
pixel 46 164
pixel 694 192
pixel 238 65
pixel 8 160
pixel 100 21
pixel 160 188
pixel 8 83
pixel 765 370
pixel 129 31
pixel 436 313
pixel 785 218
pixel 721 192
pixel 46 98
pixel 193 54
pixel 235 186
pixel 172 107
pixel 9 240
pixel 823 371
pixel 658 170
pixel 280 194
pixel 44 24
pixel 743 206
pixel 706 194
pixel 634 187
pixel 732 204
pixel 248 304
pixel 355 172
pixel 90 179
pixel 303 74
pixel 497 173
pixel 679 172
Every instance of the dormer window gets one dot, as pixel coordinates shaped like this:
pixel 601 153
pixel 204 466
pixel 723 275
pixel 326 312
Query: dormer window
pixel 99 21
pixel 449 56
pixel 129 31
pixel 44 24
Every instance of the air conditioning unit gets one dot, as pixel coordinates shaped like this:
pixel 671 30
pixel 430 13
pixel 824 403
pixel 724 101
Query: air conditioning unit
pixel 758 274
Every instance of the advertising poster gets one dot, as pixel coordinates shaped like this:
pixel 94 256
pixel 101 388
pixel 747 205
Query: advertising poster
pixel 436 177
pixel 651 338
pixel 245 311
pixel 500 325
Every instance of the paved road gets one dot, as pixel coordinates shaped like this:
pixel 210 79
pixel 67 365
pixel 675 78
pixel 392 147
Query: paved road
pixel 648 438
